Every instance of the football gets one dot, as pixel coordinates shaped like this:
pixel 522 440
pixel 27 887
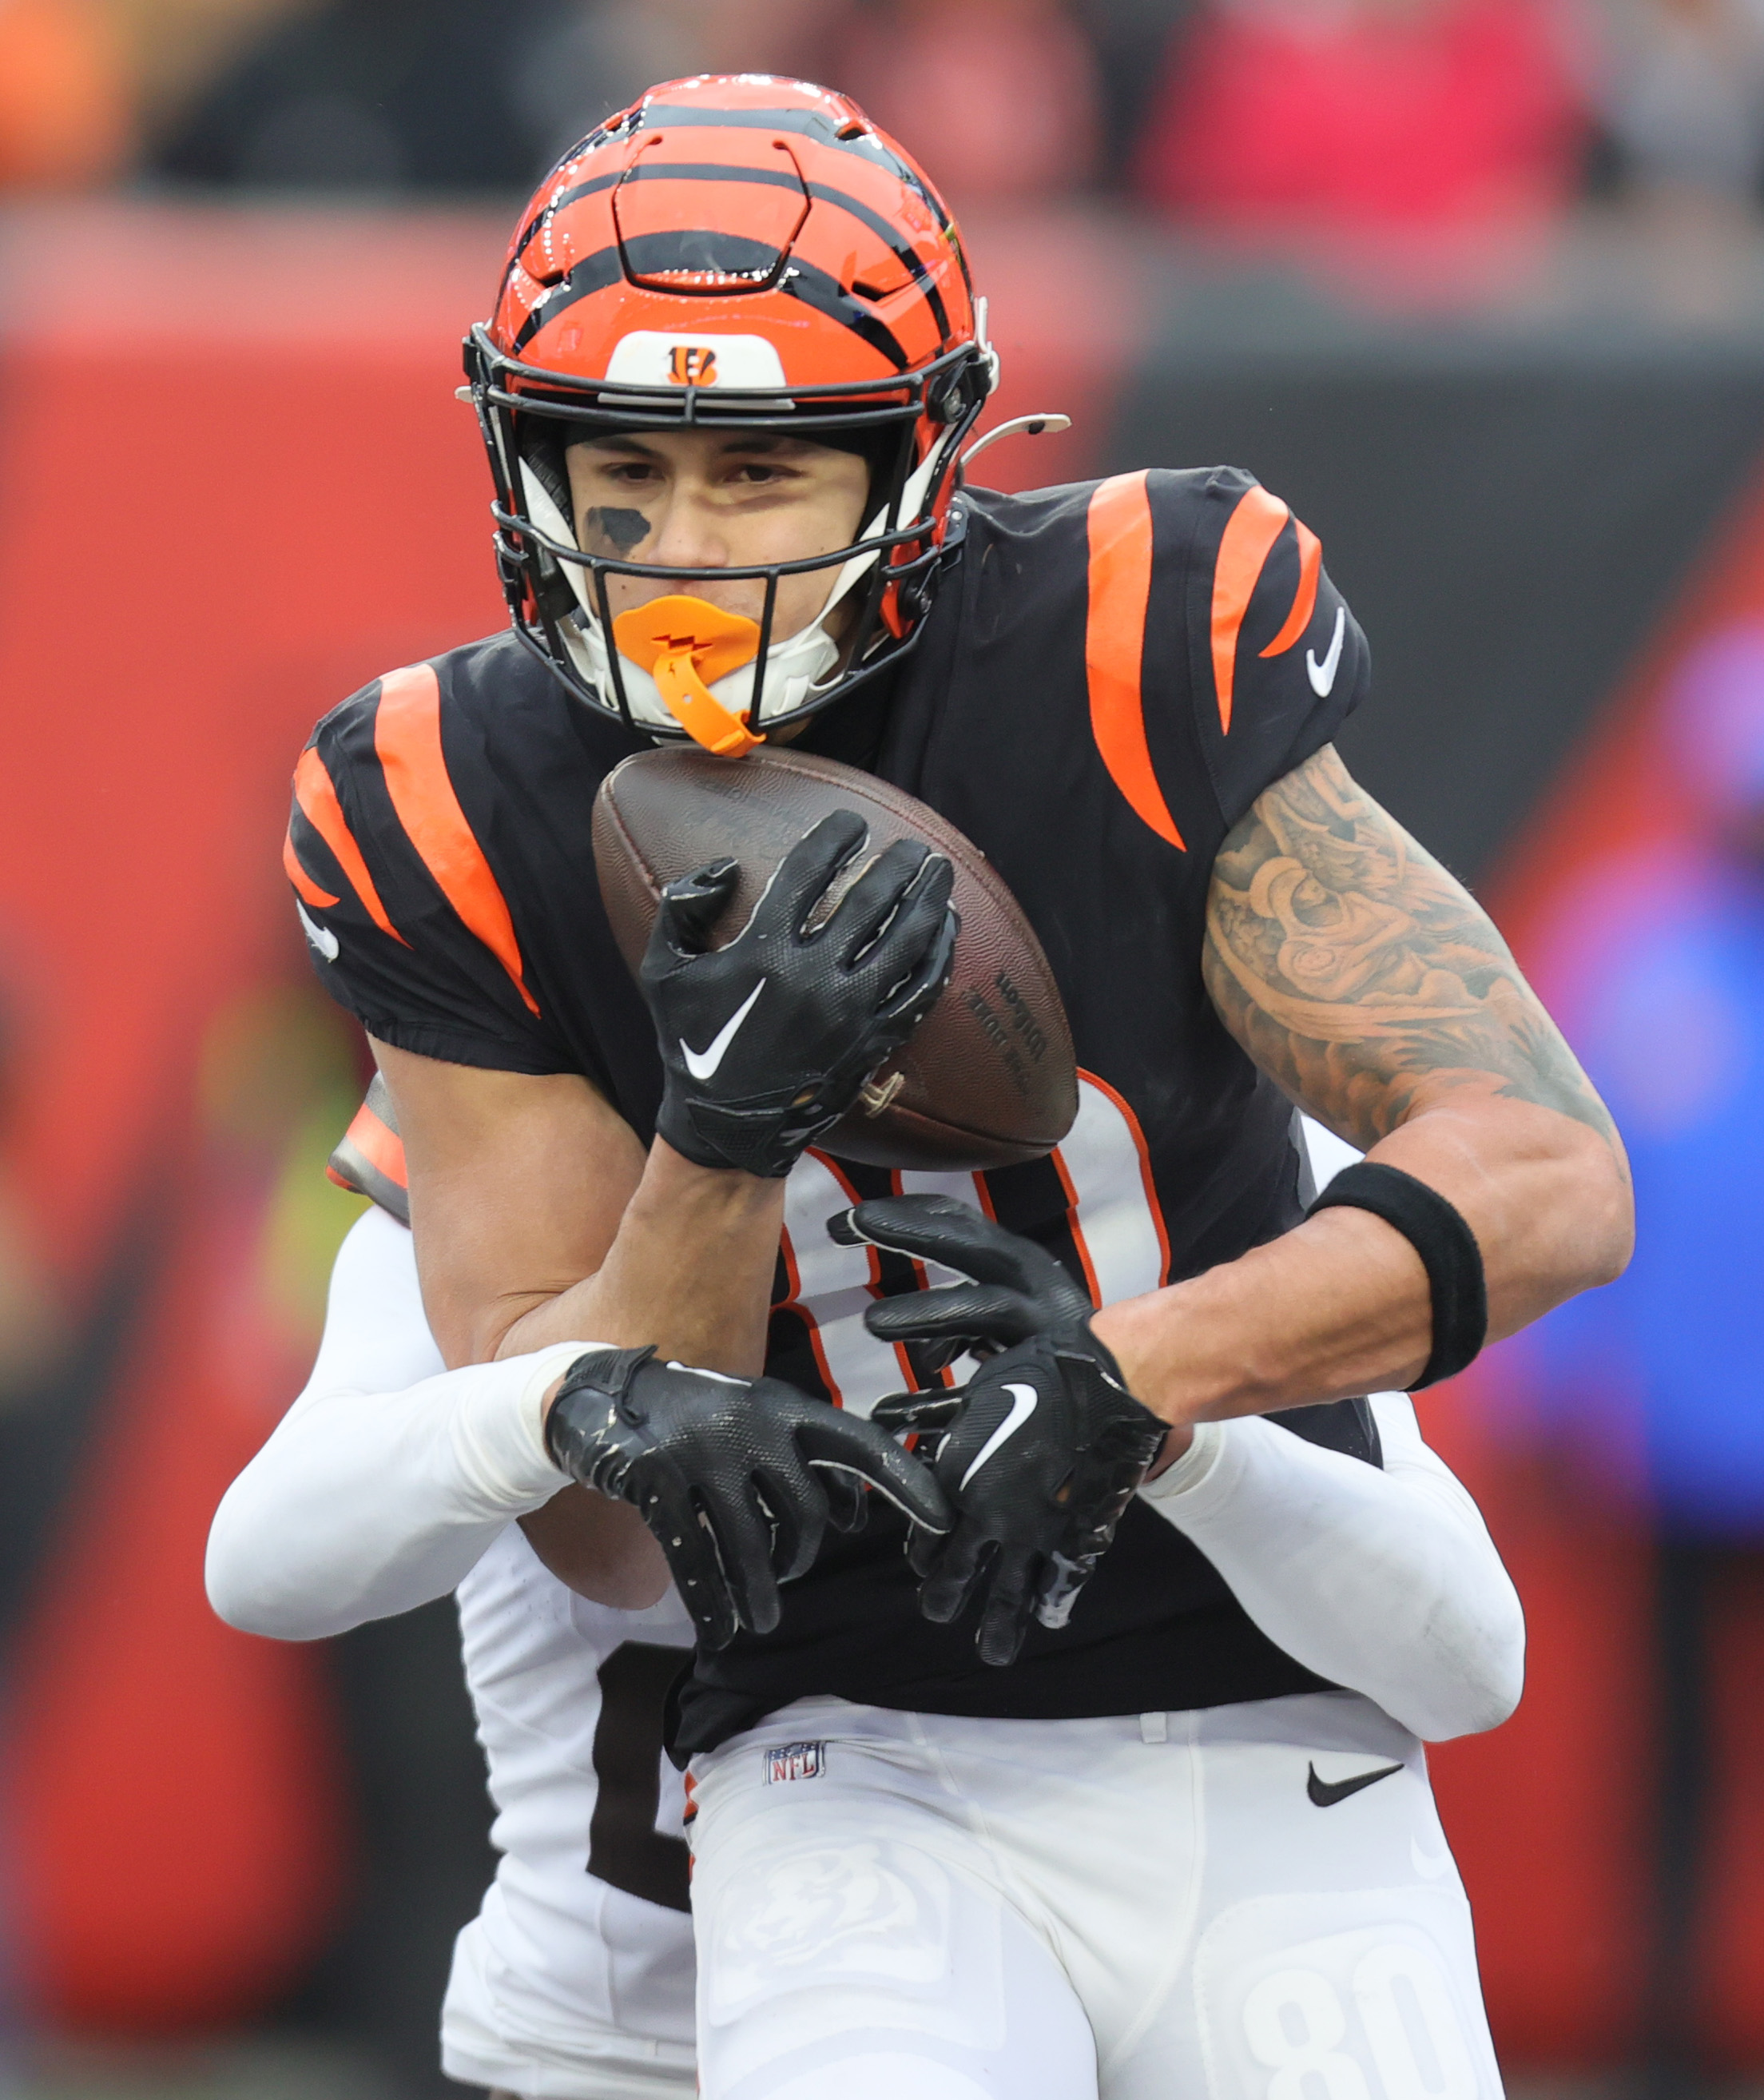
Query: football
pixel 988 1078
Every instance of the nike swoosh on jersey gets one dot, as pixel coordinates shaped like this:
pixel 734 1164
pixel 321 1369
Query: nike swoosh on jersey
pixel 1023 1399
pixel 1322 676
pixel 321 937
pixel 702 1064
pixel 1326 1793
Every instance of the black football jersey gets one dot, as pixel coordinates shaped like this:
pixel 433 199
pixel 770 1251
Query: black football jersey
pixel 1111 674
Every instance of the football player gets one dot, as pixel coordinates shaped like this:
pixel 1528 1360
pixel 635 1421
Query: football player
pixel 392 1481
pixel 389 1483
pixel 724 392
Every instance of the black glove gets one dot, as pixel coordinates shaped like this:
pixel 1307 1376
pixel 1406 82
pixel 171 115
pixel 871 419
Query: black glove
pixel 1041 1450
pixel 766 1043
pixel 730 1474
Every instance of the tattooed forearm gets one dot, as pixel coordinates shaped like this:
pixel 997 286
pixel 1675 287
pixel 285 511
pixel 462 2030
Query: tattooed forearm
pixel 1360 975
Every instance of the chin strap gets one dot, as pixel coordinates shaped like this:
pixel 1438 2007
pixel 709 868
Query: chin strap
pixel 685 644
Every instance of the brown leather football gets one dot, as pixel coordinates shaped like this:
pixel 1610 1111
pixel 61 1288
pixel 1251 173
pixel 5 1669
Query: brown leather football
pixel 988 1077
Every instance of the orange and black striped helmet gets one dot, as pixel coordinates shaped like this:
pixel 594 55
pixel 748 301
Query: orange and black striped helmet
pixel 731 252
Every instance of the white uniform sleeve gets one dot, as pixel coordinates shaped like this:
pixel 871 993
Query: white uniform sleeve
pixel 390 1475
pixel 1386 1581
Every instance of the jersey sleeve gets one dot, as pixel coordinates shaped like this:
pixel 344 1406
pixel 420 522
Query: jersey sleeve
pixel 407 924
pixel 1276 661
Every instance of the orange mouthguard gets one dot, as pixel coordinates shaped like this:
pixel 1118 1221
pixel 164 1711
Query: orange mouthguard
pixel 685 643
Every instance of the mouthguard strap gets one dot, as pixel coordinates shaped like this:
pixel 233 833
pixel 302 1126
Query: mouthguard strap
pixel 696 708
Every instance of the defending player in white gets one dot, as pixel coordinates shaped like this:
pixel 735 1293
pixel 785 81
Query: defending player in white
pixel 1162 1904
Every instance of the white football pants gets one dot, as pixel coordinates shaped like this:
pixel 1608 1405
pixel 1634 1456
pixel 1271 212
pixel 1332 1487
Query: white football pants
pixel 1190 1906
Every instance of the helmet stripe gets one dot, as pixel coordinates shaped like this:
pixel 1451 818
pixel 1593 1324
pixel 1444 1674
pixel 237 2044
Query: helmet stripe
pixel 650 253
pixel 552 205
pixel 690 250
pixel 908 258
pixel 867 146
pixel 828 296
pixel 652 171
pixel 595 273
pixel 706 171
pixel 711 171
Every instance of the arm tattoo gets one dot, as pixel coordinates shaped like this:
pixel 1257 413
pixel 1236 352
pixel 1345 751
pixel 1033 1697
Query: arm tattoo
pixel 1357 973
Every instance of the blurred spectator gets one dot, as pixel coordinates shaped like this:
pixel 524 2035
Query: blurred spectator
pixel 800 37
pixel 1367 115
pixel 174 47
pixel 1657 976
pixel 404 94
pixel 278 1081
pixel 999 98
pixel 459 94
pixel 64 116
pixel 1681 93
pixel 1130 39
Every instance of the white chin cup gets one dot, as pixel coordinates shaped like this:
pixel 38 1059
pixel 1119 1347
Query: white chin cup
pixel 794 667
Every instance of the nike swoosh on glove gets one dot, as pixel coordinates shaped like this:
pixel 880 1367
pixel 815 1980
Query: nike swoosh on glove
pixel 731 1475
pixel 766 1043
pixel 1040 1452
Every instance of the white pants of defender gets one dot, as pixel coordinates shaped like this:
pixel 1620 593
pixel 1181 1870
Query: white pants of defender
pixel 1145 1908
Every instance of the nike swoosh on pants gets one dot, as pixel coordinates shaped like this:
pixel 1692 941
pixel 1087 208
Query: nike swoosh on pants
pixel 702 1064
pixel 1326 1793
pixel 1023 1399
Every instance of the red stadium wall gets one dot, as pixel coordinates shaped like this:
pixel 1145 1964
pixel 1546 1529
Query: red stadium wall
pixel 233 490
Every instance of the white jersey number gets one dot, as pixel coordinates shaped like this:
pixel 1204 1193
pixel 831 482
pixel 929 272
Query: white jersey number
pixel 1116 1227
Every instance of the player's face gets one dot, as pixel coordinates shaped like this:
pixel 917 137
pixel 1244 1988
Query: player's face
pixel 705 500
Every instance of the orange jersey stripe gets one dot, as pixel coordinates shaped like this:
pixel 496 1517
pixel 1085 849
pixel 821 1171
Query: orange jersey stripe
pixel 307 889
pixel 1250 535
pixel 319 806
pixel 1304 599
pixel 1120 528
pixel 406 735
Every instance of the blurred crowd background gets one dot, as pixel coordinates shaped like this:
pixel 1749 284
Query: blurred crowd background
pixel 1254 119
pixel 1478 286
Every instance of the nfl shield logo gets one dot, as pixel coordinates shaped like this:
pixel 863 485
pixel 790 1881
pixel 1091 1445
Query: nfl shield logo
pixel 795 1761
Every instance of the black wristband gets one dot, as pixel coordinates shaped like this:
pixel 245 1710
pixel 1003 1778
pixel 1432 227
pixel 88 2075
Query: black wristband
pixel 1448 1250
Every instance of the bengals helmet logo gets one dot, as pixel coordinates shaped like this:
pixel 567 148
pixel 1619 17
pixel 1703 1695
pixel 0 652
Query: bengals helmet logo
pixel 692 366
